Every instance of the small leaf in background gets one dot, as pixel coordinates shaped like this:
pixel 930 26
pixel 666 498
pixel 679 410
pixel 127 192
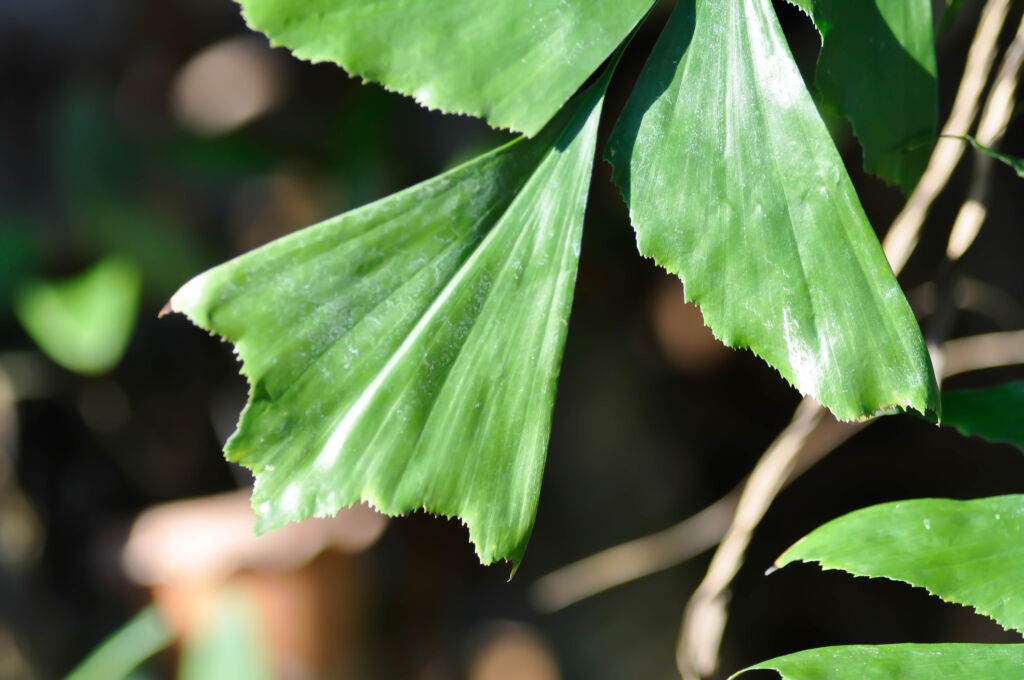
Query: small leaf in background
pixel 406 353
pixel 512 63
pixel 125 650
pixel 968 552
pixel 83 323
pixel 900 662
pixel 733 184
pixel 877 68
pixel 1016 163
pixel 994 413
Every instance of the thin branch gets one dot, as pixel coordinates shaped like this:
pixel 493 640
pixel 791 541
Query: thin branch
pixel 902 237
pixel 979 352
pixel 637 558
pixel 992 126
pixel 648 555
pixel 810 435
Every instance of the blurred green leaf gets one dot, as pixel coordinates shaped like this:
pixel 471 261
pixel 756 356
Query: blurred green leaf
pixel 968 552
pixel 994 413
pixel 231 644
pixel 513 64
pixel 734 185
pixel 406 353
pixel 83 323
pixel 877 68
pixel 143 636
pixel 900 662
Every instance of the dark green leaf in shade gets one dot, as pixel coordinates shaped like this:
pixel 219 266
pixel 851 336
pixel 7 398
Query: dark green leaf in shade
pixel 733 184
pixel 1016 163
pixel 949 15
pixel 900 662
pixel 406 353
pixel 513 63
pixel 83 323
pixel 877 68
pixel 994 413
pixel 968 552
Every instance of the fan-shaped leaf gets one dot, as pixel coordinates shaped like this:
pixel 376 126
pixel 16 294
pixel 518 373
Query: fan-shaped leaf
pixel 733 184
pixel 900 662
pixel 510 62
pixel 994 413
pixel 877 68
pixel 968 552
pixel 406 353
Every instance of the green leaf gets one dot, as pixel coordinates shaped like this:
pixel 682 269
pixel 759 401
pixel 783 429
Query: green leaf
pixel 231 641
pixel 143 636
pixel 968 552
pixel 734 185
pixel 406 353
pixel 83 323
pixel 994 413
pixel 877 68
pixel 513 63
pixel 949 15
pixel 1016 163
pixel 900 662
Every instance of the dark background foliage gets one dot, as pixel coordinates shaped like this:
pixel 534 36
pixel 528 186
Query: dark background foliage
pixel 654 420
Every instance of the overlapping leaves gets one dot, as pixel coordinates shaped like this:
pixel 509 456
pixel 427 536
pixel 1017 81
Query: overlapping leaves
pixel 733 183
pixel 406 353
pixel 877 68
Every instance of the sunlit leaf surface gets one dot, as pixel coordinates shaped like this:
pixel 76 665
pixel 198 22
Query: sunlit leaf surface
pixel 968 552
pixel 877 68
pixel 513 63
pixel 406 353
pixel 83 323
pixel 994 413
pixel 901 662
pixel 733 184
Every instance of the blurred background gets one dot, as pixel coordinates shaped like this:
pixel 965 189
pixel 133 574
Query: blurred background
pixel 142 142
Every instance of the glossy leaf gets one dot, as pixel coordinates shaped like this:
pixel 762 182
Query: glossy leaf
pixel 968 552
pixel 995 413
pixel 509 62
pixel 733 184
pixel 877 68
pixel 83 323
pixel 900 662
pixel 406 353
